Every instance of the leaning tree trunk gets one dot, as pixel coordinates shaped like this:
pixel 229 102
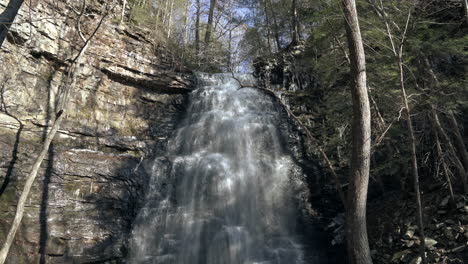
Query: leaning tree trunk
pixel 461 170
pixel 68 85
pixel 459 143
pixel 414 162
pixel 356 229
pixel 460 158
pixel 7 17
pixel 27 187
pixel 440 153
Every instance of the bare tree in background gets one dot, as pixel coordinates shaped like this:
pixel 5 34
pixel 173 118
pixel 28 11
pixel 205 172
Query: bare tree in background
pixel 356 229
pixel 7 18
pixel 295 23
pixel 209 26
pixel 197 27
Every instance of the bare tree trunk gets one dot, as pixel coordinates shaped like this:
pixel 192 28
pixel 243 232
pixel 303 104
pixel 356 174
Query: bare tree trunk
pixel 217 19
pixel 398 54
pixel 295 23
pixel 268 26
pixel 186 23
pixel 158 13
pixel 276 28
pixel 210 23
pixel 414 160
pixel 169 22
pixel 414 163
pixel 165 13
pixel 27 188
pixel 122 15
pixel 356 226
pixel 197 28
pixel 465 10
pixel 229 59
pixel 7 18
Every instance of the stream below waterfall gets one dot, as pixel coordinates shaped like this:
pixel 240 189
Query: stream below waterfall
pixel 224 193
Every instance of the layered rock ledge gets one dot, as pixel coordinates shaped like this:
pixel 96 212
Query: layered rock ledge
pixel 129 95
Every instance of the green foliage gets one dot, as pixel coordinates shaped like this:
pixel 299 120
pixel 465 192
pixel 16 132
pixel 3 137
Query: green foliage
pixel 431 44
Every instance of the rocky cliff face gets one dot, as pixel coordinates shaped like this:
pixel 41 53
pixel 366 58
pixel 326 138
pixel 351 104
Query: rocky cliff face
pixel 128 97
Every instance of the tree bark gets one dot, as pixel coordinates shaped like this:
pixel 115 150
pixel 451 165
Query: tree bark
pixel 169 22
pixel 122 15
pixel 7 18
pixel 465 10
pixel 414 160
pixel 356 226
pixel 276 28
pixel 229 58
pixel 414 163
pixel 197 28
pixel 186 24
pixel 210 23
pixel 295 23
pixel 268 26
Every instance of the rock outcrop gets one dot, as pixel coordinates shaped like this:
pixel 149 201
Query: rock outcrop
pixel 128 97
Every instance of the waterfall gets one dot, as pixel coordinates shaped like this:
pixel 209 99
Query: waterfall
pixel 224 193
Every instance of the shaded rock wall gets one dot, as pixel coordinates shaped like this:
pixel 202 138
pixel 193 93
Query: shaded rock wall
pixel 289 75
pixel 128 98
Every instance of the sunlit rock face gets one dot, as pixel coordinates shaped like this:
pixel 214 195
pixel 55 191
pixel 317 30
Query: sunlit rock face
pixel 126 102
pixel 227 192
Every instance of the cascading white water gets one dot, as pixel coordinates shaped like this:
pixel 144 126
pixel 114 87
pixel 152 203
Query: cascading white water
pixel 227 196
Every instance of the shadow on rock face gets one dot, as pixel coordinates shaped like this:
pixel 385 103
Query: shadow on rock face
pixel 87 192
